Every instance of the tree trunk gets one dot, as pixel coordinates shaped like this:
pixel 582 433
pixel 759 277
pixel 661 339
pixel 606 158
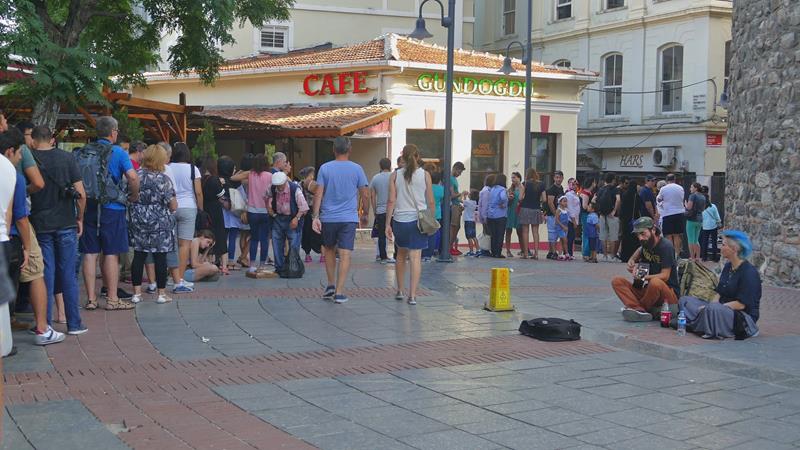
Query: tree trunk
pixel 46 113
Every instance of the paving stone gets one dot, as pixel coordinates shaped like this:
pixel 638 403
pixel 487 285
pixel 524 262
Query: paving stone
pixel 12 439
pixel 588 382
pixel 591 404
pixel 650 442
pixel 310 384
pixel 515 407
pixel 649 380
pixel 550 392
pixel 449 440
pixel 635 417
pixel 669 404
pixel 720 440
pixel 768 429
pixel 419 404
pixel 363 440
pixel 548 416
pixel 730 400
pixel 288 418
pixel 610 435
pixel 491 425
pixel 762 443
pixel 773 411
pixel 618 390
pixel 458 414
pixel 529 437
pixel 762 390
pixel 714 415
pixel 485 396
pixel 581 427
pixel 697 375
pixel 395 422
pixel 374 382
pixel 343 404
pixel 679 429
pixel 266 403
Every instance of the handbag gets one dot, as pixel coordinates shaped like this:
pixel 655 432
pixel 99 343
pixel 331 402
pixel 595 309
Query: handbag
pixel 202 220
pixel 237 203
pixel 426 220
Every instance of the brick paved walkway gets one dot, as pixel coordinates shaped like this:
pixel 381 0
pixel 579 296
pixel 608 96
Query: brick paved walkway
pixel 265 364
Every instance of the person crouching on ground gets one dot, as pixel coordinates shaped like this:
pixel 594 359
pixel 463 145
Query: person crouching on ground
pixel 643 302
pixel 200 266
pixel 734 310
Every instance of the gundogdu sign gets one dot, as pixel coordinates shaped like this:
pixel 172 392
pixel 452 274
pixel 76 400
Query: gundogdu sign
pixel 435 82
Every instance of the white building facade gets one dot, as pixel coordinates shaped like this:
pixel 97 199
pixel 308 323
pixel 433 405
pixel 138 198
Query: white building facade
pixel 654 109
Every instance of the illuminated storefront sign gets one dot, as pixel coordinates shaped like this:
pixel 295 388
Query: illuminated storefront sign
pixel 502 87
pixel 335 83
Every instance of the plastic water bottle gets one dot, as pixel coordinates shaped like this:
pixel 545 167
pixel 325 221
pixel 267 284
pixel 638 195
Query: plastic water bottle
pixel 681 324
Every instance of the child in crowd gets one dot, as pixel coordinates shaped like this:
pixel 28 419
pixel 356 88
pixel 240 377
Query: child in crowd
pixel 562 224
pixel 470 213
pixel 592 231
pixel 200 266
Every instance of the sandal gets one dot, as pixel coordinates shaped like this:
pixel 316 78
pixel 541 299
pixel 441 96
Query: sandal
pixel 114 305
pixel 91 305
pixel 244 264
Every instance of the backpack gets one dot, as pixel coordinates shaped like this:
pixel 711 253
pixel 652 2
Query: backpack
pixel 551 329
pixel 93 160
pixel 696 280
pixel 293 267
pixel 606 199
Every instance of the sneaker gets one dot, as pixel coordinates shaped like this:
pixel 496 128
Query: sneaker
pixel 561 258
pixel 151 289
pixel 470 253
pixel 340 298
pixel 426 259
pixel 322 258
pixel 388 261
pixel 182 289
pixel 412 301
pixel 455 252
pixel 632 315
pixel 51 336
pixel 163 299
pixel 136 298
pixel 399 296
pixel 251 269
pixel 170 283
pixel 378 258
pixel 308 259
pixel 187 283
pixel 78 331
pixel 329 293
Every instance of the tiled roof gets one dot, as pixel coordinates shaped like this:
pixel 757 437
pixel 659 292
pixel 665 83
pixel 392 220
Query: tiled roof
pixel 390 47
pixel 316 121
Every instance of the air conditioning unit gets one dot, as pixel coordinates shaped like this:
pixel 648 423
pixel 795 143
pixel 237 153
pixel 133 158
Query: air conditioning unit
pixel 663 156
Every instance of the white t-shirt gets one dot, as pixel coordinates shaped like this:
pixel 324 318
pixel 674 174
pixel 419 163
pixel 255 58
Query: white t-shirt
pixel 182 179
pixel 671 197
pixel 8 181
pixel 470 207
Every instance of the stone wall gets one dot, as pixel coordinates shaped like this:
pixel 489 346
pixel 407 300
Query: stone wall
pixel 763 163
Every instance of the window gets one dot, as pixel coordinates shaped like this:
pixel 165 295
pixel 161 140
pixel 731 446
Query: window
pixel 611 4
pixel 612 85
pixel 563 9
pixel 274 38
pixel 486 156
pixel 563 63
pixel 671 78
pixel 509 16
pixel 542 156
pixel 429 142
pixel 728 55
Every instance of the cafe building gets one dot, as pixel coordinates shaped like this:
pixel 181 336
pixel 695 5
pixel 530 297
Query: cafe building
pixel 383 94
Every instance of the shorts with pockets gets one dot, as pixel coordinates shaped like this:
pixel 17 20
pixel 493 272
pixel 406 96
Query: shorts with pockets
pixel 553 230
pixel 185 218
pixel 455 216
pixel 339 234
pixel 35 268
pixel 109 237
pixel 673 224
pixel 469 230
pixel 609 228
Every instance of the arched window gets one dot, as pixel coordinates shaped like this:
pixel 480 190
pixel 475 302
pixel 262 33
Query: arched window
pixel 563 63
pixel 612 85
pixel 671 78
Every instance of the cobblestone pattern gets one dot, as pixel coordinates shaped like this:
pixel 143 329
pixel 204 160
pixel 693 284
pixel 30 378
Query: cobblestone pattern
pixel 763 163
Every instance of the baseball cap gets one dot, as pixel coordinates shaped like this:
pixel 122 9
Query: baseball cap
pixel 641 224
pixel 649 178
pixel 278 178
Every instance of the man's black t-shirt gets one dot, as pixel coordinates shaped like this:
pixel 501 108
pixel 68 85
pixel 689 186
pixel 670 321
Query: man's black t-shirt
pixel 50 209
pixel 663 255
pixel 556 192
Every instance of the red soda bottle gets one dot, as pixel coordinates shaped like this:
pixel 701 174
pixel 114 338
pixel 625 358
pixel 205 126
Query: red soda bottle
pixel 666 315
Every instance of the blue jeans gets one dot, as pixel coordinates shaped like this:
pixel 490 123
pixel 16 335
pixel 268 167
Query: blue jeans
pixel 586 249
pixel 260 226
pixel 281 231
pixel 60 254
pixel 233 233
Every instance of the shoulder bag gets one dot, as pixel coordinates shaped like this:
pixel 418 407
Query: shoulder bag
pixel 202 220
pixel 426 220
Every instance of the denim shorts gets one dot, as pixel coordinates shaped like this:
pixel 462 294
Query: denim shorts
pixel 469 230
pixel 407 235
pixel 339 234
pixel 110 237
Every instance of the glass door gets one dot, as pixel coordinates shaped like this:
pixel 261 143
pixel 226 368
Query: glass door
pixel 486 156
pixel 542 156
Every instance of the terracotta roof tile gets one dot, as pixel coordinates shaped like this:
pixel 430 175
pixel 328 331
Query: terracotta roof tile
pixel 365 51
pixel 341 119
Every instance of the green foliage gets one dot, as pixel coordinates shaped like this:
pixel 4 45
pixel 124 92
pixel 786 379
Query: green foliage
pixel 206 145
pixel 78 46
pixel 130 127
pixel 269 152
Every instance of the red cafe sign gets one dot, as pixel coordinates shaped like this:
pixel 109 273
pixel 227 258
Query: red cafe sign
pixel 713 140
pixel 336 83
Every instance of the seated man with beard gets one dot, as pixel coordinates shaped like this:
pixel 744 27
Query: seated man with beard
pixel 644 296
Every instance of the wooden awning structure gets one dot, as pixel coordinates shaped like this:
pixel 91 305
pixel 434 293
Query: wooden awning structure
pixel 161 120
pixel 295 121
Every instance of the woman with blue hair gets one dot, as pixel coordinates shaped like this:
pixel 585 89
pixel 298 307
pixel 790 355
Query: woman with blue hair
pixel 734 310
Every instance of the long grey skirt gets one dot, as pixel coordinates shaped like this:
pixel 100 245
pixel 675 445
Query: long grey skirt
pixel 715 321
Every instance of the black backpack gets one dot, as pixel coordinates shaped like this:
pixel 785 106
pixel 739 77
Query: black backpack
pixel 606 199
pixel 551 329
pixel 93 160
pixel 293 267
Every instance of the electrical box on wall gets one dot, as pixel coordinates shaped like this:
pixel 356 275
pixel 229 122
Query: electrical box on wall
pixel 663 156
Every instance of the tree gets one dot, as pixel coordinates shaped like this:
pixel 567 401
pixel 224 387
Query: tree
pixel 206 145
pixel 80 46
pixel 130 127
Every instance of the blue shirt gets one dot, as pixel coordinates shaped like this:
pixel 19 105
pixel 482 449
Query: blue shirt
pixel 711 217
pixel 647 196
pixel 118 164
pixel 341 181
pixel 438 195
pixel 498 202
pixel 591 225
pixel 20 207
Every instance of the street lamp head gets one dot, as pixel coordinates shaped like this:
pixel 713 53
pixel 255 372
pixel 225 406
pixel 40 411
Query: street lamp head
pixel 507 68
pixel 420 32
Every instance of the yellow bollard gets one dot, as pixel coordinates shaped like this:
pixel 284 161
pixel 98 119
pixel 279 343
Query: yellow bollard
pixel 500 291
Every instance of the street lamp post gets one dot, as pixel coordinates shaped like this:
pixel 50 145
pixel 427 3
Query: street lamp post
pixel 527 57
pixel 420 32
